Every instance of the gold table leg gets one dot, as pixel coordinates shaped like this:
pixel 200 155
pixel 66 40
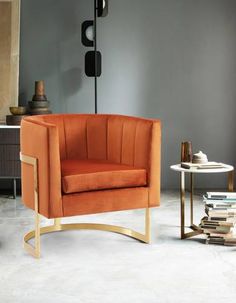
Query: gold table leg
pixel 182 202
pixel 191 198
pixel 195 228
pixel 231 181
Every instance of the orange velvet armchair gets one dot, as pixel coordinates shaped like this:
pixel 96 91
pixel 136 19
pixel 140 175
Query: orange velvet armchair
pixel 76 164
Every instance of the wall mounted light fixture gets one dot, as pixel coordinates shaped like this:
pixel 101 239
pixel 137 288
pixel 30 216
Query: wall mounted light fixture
pixel 102 8
pixel 90 64
pixel 88 33
pixel 93 59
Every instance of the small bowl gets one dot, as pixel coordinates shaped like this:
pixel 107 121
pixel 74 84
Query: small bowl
pixel 18 110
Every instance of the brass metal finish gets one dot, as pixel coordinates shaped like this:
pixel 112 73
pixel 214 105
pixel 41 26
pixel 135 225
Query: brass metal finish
pixel 191 198
pixel 231 180
pixel 34 251
pixel 58 226
pixel 195 228
pixel 182 203
pixel 57 223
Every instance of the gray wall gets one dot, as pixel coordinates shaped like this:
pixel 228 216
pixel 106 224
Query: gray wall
pixel 168 59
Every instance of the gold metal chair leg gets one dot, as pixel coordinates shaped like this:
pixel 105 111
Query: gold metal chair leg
pixel 57 223
pixel 34 250
pixel 57 226
pixel 147 238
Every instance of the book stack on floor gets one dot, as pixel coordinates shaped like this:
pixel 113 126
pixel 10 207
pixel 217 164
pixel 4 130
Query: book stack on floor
pixel 220 223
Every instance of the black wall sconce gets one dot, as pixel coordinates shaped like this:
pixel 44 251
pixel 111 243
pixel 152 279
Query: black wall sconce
pixel 93 59
pixel 102 8
pixel 87 33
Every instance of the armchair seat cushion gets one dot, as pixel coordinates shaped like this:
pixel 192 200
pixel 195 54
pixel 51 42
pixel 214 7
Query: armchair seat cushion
pixel 90 175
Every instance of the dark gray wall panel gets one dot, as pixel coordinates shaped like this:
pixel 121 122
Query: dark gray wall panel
pixel 170 59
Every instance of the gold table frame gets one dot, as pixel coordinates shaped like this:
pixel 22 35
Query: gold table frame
pixel 195 229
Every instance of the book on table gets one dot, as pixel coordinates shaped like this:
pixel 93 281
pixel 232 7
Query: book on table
pixel 208 165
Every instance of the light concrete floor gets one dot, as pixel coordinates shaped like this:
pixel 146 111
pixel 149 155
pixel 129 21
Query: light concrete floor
pixel 94 266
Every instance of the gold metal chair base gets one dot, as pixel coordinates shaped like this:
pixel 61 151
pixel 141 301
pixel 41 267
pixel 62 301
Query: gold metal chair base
pixel 35 251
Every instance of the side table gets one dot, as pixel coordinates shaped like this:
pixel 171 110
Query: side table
pixel 226 169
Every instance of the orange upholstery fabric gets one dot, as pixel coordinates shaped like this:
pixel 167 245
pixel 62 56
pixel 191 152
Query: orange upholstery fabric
pixel 105 201
pixel 40 140
pixel 126 141
pixel 87 175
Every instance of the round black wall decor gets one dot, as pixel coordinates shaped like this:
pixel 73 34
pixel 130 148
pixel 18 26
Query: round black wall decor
pixel 87 33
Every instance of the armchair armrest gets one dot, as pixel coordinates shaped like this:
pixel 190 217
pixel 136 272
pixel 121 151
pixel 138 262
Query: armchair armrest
pixel 155 165
pixel 40 140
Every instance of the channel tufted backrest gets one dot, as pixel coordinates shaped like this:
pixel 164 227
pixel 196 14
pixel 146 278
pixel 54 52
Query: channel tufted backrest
pixel 116 138
pixel 129 140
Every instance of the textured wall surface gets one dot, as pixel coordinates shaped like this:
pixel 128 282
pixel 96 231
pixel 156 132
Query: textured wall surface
pixel 9 56
pixel 170 59
pixel 5 55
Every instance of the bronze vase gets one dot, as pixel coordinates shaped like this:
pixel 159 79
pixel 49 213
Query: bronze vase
pixel 186 152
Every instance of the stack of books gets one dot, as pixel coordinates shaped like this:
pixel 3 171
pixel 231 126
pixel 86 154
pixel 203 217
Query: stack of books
pixel 220 222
